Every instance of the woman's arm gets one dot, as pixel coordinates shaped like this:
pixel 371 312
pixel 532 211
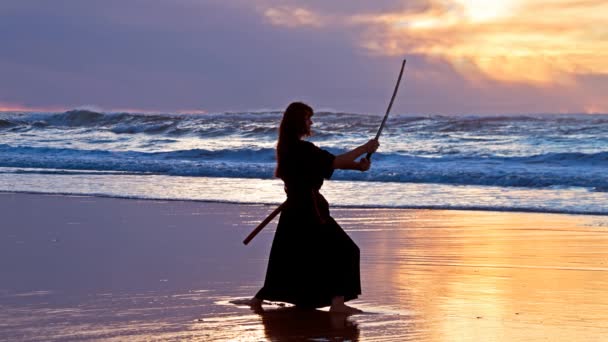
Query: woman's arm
pixel 346 161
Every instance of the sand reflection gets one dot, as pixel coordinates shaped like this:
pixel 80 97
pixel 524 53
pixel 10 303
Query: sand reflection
pixel 292 324
pixel 472 276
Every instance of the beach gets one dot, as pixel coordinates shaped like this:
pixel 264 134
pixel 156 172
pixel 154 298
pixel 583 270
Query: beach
pixel 141 145
pixel 94 268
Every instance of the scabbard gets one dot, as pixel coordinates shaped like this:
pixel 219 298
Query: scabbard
pixel 264 223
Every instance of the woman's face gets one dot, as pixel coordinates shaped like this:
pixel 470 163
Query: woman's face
pixel 308 123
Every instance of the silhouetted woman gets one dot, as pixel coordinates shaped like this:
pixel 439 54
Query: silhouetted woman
pixel 313 263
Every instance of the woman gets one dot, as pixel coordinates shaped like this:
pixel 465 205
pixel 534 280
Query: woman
pixel 313 263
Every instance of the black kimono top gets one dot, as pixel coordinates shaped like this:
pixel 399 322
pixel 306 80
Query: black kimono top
pixel 303 171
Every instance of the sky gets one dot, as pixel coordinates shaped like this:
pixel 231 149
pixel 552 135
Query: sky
pixel 463 56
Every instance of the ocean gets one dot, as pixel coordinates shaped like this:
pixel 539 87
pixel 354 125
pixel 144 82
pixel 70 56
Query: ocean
pixel 535 163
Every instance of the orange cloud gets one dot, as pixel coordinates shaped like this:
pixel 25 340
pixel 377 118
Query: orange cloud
pixel 536 42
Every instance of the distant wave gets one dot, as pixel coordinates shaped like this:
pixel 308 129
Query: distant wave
pixel 6 123
pixel 256 124
pixel 537 171
pixel 595 159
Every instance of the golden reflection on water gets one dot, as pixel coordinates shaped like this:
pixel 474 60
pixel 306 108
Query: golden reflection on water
pixel 492 276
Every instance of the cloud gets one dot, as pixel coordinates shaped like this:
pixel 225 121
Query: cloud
pixel 292 17
pixel 340 8
pixel 539 42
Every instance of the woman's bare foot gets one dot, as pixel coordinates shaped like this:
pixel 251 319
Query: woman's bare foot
pixel 254 303
pixel 338 306
pixel 256 306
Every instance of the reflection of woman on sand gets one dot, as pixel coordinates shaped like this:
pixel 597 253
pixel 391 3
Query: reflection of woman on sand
pixel 313 263
pixel 292 324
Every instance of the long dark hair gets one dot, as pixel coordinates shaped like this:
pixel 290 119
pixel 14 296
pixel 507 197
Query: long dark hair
pixel 292 129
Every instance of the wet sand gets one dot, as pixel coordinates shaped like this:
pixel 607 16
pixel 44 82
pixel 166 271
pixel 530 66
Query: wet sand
pixel 86 268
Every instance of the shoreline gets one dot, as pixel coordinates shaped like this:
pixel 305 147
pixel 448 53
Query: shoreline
pixel 336 206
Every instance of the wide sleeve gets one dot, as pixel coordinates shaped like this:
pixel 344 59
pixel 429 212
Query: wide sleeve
pixel 320 161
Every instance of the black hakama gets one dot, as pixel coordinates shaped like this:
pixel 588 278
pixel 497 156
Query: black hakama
pixel 312 259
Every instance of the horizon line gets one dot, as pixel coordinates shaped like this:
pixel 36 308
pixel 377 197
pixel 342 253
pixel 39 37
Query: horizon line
pixel 10 108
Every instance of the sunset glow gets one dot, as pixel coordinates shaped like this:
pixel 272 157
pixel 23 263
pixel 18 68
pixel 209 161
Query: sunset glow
pixel 479 11
pixel 508 41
